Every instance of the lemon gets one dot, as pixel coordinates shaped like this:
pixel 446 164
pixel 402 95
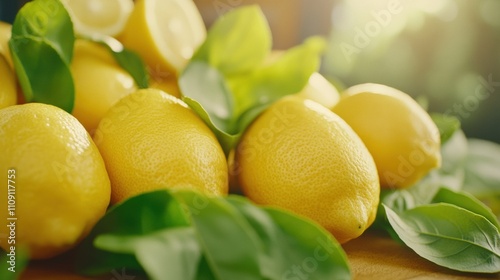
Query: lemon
pixel 151 140
pixel 99 17
pixel 168 84
pixel 99 82
pixel 400 135
pixel 58 178
pixel 300 156
pixel 165 33
pixel 8 87
pixel 5 33
pixel 319 89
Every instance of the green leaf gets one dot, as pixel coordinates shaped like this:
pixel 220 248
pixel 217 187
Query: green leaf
pixel 482 176
pixel 11 269
pixel 287 75
pixel 185 235
pixel 454 155
pixel 127 59
pixel 226 140
pixel 335 266
pixel 466 201
pixel 42 48
pixel 237 42
pixel 142 214
pixel 446 124
pixel 173 253
pixel 233 250
pixel 449 236
pixel 48 21
pixel 204 272
pixel 206 85
pixel 289 239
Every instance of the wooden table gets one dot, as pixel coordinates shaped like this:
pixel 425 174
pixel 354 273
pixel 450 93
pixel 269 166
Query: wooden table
pixel 372 256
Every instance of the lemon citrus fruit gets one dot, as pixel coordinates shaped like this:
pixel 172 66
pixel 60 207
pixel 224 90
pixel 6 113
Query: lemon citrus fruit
pixel 57 179
pixel 165 33
pixel 99 17
pixel 8 87
pixel 151 140
pixel 319 89
pixel 99 82
pixel 5 34
pixel 400 135
pixel 168 84
pixel 300 156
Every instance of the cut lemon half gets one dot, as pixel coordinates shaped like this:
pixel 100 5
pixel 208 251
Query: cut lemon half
pixel 99 17
pixel 165 33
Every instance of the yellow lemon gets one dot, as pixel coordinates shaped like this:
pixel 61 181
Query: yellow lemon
pixel 151 140
pixel 300 156
pixel 168 84
pixel 400 135
pixel 58 187
pixel 99 17
pixel 5 33
pixel 8 86
pixel 99 82
pixel 165 33
pixel 319 89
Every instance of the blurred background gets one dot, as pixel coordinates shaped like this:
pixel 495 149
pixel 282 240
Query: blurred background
pixel 445 53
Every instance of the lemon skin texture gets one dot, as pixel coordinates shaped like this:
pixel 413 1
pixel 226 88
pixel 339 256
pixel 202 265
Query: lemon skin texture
pixel 61 185
pixel 400 135
pixel 151 140
pixel 300 156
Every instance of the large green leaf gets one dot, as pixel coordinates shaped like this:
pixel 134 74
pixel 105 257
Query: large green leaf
pixel 237 42
pixel 42 48
pixel 170 254
pixel 466 201
pixel 13 262
pixel 449 236
pixel 482 176
pixel 288 239
pixel 233 250
pixel 287 75
pixel 186 235
pixel 206 85
pixel 143 214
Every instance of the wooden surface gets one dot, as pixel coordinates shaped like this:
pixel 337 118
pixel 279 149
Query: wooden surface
pixel 372 256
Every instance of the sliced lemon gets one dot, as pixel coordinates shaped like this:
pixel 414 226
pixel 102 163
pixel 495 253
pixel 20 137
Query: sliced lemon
pixel 165 33
pixel 99 17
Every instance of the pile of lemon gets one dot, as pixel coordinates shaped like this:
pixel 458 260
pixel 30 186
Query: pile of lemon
pixel 321 154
